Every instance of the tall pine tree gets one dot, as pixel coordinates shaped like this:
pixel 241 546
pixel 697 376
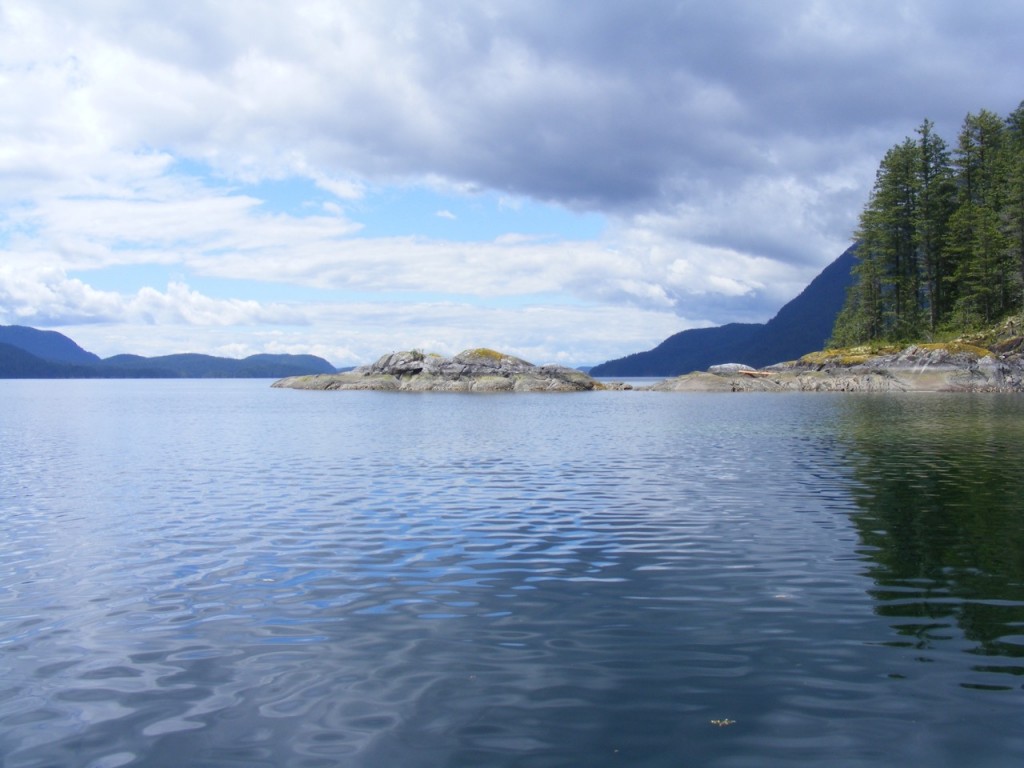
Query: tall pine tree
pixel 936 192
pixel 1012 218
pixel 883 303
pixel 975 239
pixel 941 237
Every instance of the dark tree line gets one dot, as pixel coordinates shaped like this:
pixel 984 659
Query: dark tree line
pixel 941 239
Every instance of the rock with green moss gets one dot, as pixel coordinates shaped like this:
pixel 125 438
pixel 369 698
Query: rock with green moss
pixel 947 367
pixel 474 370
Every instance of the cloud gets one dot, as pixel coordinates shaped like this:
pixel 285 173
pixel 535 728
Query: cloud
pixel 180 304
pixel 349 333
pixel 728 145
pixel 172 221
pixel 46 296
pixel 612 107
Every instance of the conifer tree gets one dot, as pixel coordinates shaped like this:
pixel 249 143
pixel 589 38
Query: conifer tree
pixel 936 192
pixel 883 302
pixel 941 238
pixel 975 239
pixel 1012 218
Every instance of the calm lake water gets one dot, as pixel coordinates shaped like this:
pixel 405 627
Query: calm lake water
pixel 216 573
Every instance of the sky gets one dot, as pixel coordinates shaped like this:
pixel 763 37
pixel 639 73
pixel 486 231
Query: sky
pixel 564 181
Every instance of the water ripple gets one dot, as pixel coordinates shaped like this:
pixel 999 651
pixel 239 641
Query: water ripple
pixel 424 581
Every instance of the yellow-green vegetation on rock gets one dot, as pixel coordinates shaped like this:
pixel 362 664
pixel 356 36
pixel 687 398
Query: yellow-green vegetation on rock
pixel 996 335
pixel 483 352
pixel 847 356
pixel 956 347
pixel 867 353
pixel 490 357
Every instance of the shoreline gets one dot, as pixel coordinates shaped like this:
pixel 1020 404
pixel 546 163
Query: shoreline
pixel 953 367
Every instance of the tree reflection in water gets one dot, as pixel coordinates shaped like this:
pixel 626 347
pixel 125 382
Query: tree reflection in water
pixel 940 486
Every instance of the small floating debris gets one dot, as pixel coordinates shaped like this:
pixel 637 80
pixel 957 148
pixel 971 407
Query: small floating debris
pixel 723 723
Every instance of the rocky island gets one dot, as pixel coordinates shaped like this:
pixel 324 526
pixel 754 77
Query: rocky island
pixel 956 366
pixel 474 370
pixel 948 367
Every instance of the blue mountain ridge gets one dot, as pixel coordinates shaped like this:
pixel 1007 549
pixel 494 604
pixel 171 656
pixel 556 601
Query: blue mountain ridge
pixel 46 345
pixel 32 353
pixel 801 326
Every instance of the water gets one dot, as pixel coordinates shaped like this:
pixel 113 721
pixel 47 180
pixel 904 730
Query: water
pixel 216 573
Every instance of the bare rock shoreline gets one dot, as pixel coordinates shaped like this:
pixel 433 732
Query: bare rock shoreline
pixel 951 367
pixel 475 370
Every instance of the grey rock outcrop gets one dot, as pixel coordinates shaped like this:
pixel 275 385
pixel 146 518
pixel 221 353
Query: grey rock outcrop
pixel 955 367
pixel 730 368
pixel 474 370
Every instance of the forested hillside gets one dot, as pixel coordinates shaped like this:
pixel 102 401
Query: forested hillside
pixel 941 236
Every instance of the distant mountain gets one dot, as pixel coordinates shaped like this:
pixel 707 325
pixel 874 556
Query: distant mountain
pixel 195 366
pixel 16 363
pixel 801 326
pixel 46 345
pixel 31 353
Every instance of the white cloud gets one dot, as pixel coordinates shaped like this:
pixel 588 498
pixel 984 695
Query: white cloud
pixel 179 304
pixel 45 296
pixel 178 222
pixel 355 333
pixel 730 145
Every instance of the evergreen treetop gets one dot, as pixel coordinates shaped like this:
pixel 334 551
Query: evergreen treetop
pixel 941 237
